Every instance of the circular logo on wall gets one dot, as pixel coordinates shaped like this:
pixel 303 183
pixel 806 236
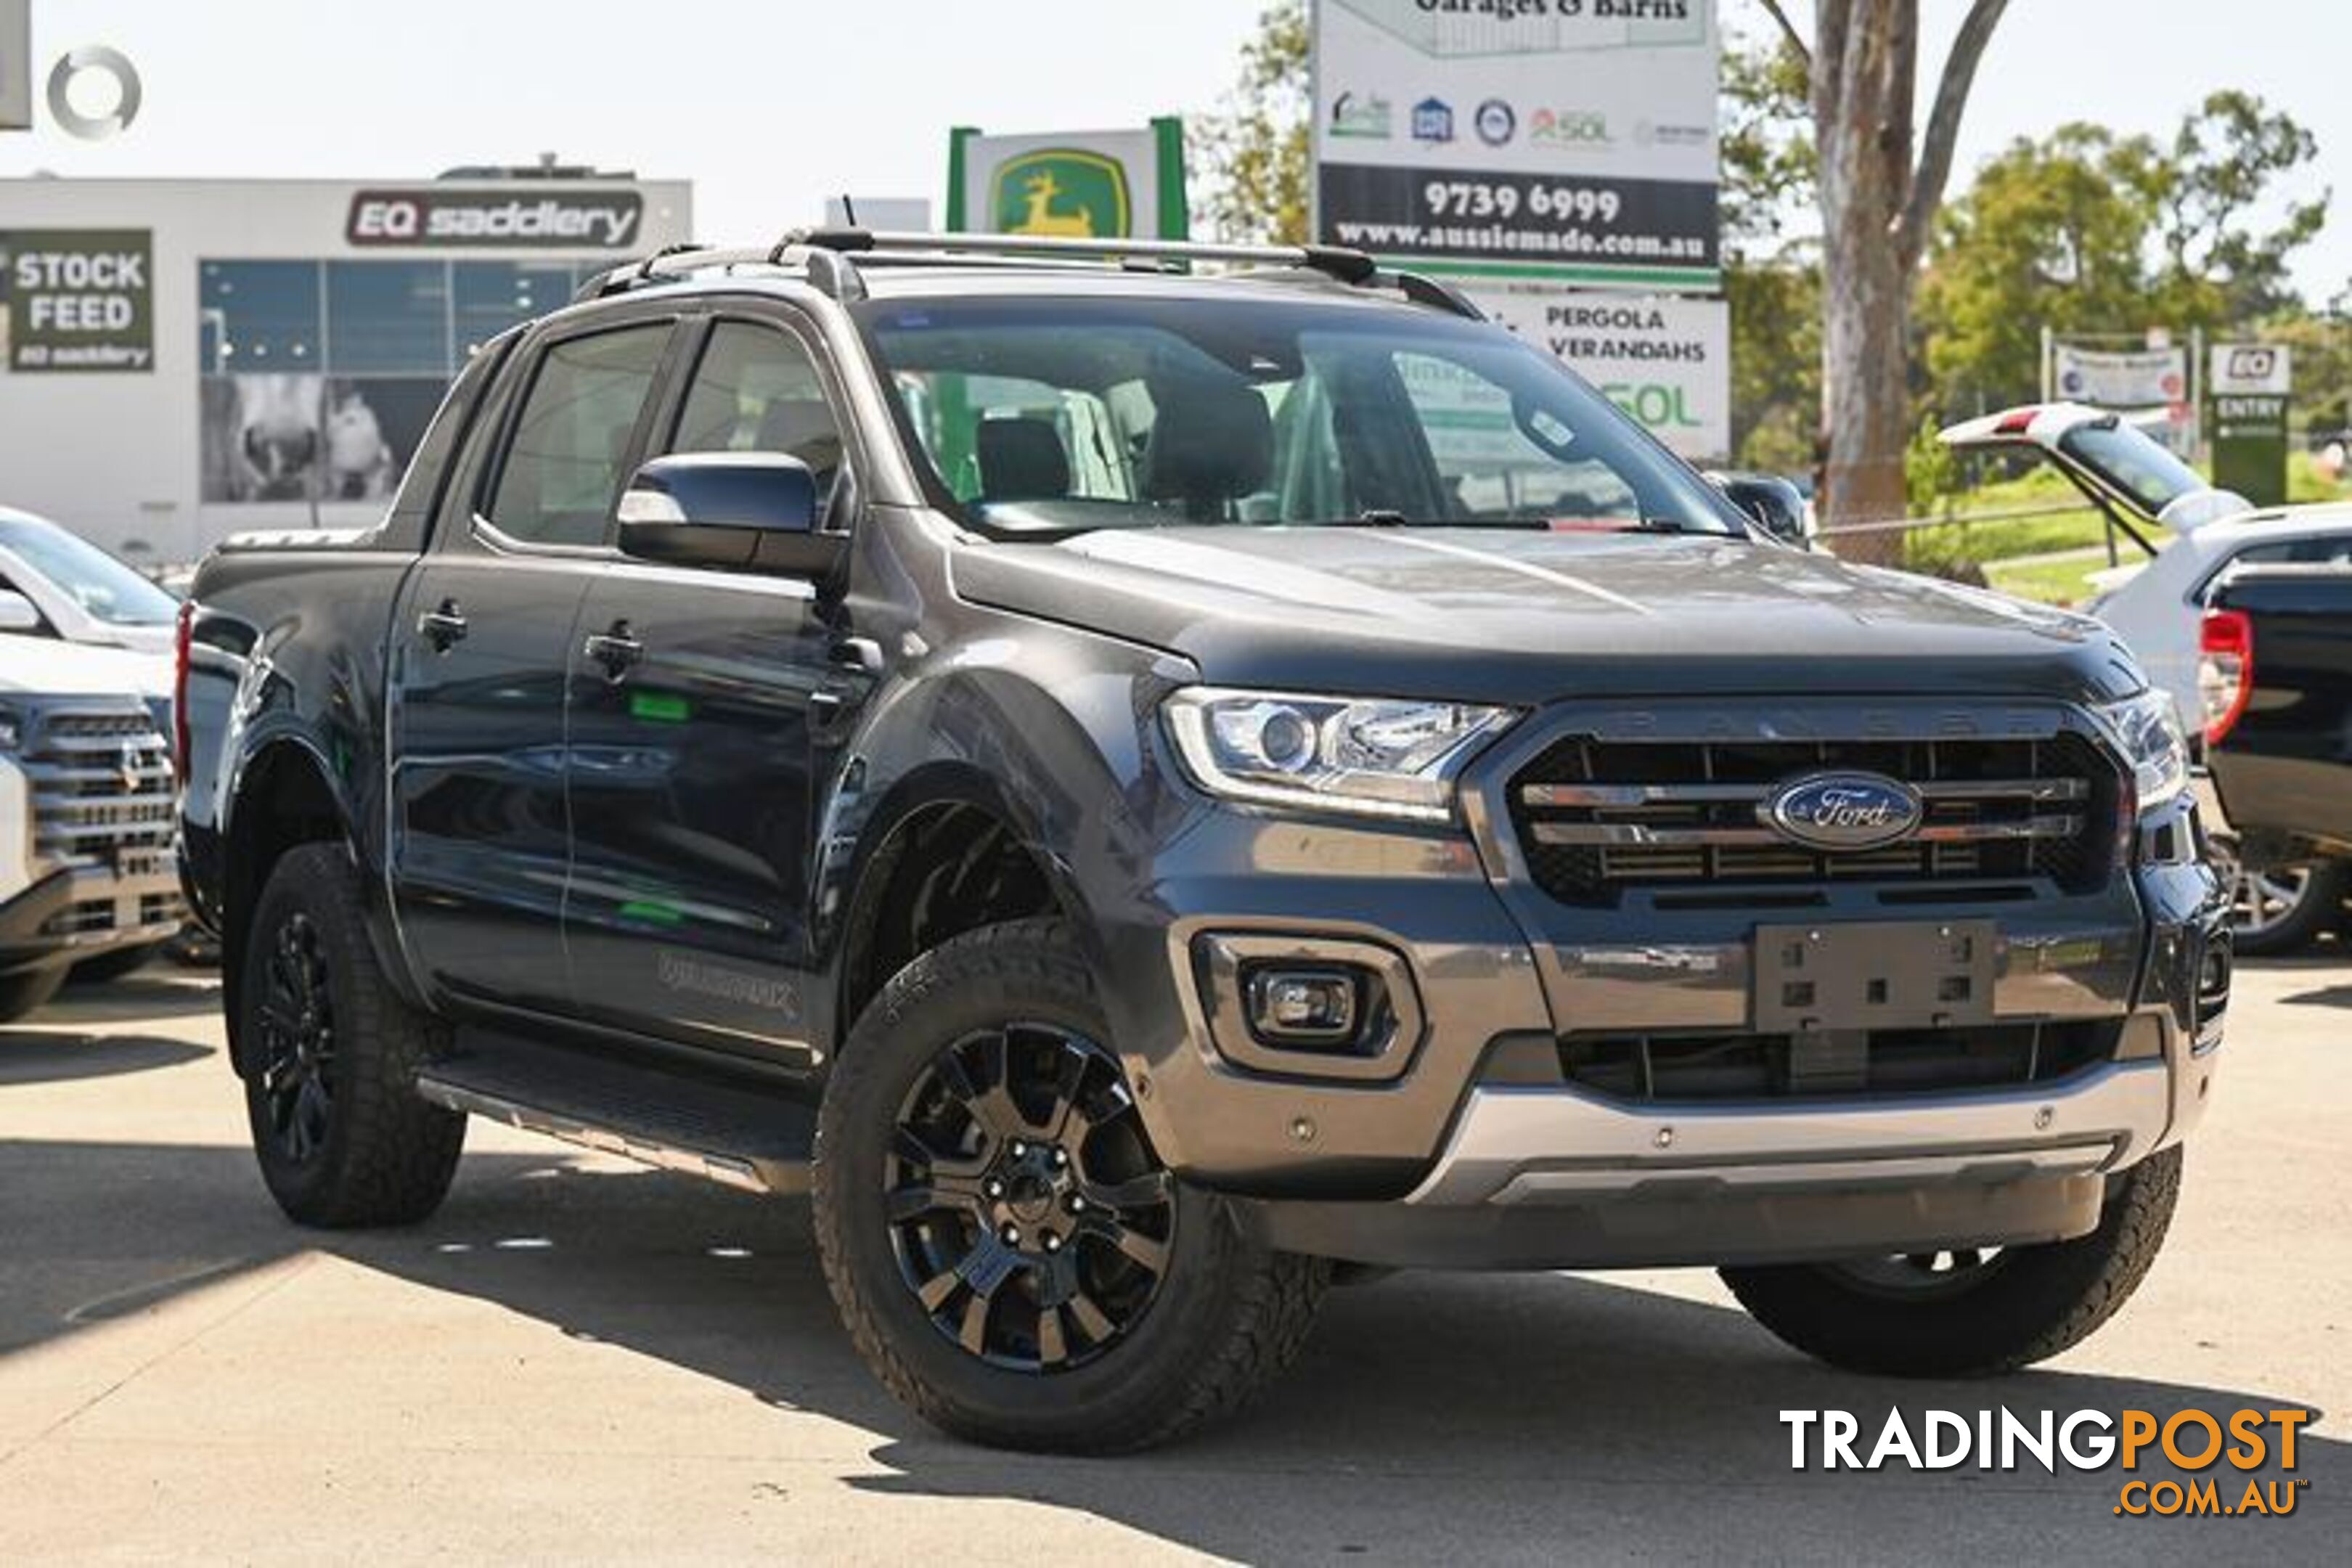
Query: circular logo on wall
pixel 98 60
pixel 1495 123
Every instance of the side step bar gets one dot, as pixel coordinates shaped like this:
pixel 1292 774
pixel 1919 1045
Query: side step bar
pixel 737 1137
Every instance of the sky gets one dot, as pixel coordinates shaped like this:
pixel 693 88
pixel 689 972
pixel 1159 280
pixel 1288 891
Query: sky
pixel 769 107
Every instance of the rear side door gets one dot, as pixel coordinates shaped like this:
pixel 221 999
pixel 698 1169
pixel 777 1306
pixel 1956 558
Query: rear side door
pixel 480 653
pixel 699 701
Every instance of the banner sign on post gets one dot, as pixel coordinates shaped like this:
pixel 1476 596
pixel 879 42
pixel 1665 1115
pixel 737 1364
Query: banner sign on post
pixel 15 64
pixel 2250 383
pixel 2127 378
pixel 1521 138
pixel 79 300
pixel 1080 184
pixel 2131 381
pixel 1664 360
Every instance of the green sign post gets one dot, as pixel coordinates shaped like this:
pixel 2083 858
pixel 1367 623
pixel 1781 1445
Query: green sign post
pixel 2250 385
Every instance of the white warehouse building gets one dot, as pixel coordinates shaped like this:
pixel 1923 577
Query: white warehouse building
pixel 184 359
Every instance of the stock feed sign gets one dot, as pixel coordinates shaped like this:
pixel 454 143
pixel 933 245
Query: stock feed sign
pixel 79 300
pixel 1572 140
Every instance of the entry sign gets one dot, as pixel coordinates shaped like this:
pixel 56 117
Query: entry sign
pixel 1666 359
pixel 2251 383
pixel 80 300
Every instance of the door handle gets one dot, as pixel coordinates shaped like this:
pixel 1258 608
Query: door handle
pixel 442 626
pixel 616 649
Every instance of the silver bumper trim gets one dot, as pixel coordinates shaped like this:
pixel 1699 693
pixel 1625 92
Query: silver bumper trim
pixel 1523 1145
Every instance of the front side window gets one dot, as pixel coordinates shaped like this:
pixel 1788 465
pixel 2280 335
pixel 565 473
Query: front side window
pixel 565 462
pixel 756 390
pixel 1047 414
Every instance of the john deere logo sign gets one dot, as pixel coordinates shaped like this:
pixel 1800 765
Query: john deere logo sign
pixel 1062 193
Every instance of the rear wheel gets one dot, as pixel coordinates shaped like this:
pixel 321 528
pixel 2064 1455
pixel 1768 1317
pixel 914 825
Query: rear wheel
pixel 2284 909
pixel 1009 1252
pixel 21 994
pixel 332 1055
pixel 1970 1311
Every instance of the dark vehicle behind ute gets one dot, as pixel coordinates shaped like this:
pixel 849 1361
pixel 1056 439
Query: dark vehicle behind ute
pixel 1144 789
pixel 2276 677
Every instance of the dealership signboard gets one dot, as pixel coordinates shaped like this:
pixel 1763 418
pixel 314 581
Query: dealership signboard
pixel 79 300
pixel 1078 185
pixel 1549 139
pixel 2131 380
pixel 1664 359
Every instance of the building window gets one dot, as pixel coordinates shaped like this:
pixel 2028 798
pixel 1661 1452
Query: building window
pixel 259 315
pixel 491 296
pixel 388 318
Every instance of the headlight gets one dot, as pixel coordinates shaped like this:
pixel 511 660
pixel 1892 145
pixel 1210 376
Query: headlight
pixel 2149 733
pixel 12 729
pixel 1396 760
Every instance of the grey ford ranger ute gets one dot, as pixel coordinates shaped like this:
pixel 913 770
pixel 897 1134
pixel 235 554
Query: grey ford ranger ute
pixel 1148 779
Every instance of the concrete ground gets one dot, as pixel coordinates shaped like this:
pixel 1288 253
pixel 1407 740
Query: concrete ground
pixel 578 1361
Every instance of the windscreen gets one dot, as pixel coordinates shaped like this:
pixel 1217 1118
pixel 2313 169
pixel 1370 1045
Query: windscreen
pixel 104 587
pixel 1047 415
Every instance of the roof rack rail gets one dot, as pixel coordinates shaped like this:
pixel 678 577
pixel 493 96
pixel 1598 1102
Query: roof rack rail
pixel 829 255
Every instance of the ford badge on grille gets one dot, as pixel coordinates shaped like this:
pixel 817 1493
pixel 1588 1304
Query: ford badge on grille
pixel 1842 811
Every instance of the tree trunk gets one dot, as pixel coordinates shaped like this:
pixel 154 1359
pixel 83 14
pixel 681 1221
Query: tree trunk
pixel 1876 210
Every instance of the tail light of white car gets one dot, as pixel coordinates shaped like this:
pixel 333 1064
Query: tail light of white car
pixel 2225 670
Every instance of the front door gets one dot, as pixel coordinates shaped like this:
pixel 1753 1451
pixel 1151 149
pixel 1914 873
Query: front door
pixel 697 701
pixel 481 650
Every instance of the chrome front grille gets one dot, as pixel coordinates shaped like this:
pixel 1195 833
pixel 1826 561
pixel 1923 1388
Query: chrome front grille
pixel 1597 817
pixel 101 783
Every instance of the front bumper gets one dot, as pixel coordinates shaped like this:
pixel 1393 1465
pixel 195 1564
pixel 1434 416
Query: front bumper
pixel 78 911
pixel 1471 1146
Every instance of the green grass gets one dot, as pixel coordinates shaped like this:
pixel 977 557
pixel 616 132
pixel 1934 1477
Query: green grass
pixel 2065 581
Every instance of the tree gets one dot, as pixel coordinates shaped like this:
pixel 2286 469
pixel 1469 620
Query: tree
pixel 2052 233
pixel 1254 152
pixel 1877 202
pixel 2221 164
pixel 1772 282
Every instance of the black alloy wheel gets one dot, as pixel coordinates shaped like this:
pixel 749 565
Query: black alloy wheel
pixel 296 1018
pixel 1026 1210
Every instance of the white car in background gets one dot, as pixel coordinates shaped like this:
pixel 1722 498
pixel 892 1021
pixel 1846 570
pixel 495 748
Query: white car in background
pixel 54 582
pixel 2192 535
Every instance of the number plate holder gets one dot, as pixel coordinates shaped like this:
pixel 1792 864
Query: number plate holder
pixel 1872 975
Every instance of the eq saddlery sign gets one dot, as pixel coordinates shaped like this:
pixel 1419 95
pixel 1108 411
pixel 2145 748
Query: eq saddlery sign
pixel 79 300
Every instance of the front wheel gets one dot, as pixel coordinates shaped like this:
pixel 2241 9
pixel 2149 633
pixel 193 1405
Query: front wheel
pixel 1972 1312
pixel 1009 1253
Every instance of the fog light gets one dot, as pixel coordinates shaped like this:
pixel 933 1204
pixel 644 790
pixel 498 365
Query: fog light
pixel 1302 1006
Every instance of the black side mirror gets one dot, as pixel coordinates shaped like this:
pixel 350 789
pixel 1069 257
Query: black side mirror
pixel 735 512
pixel 1773 502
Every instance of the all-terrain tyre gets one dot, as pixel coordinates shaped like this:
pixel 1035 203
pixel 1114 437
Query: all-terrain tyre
pixel 331 1054
pixel 1970 1314
pixel 1008 1253
pixel 24 994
